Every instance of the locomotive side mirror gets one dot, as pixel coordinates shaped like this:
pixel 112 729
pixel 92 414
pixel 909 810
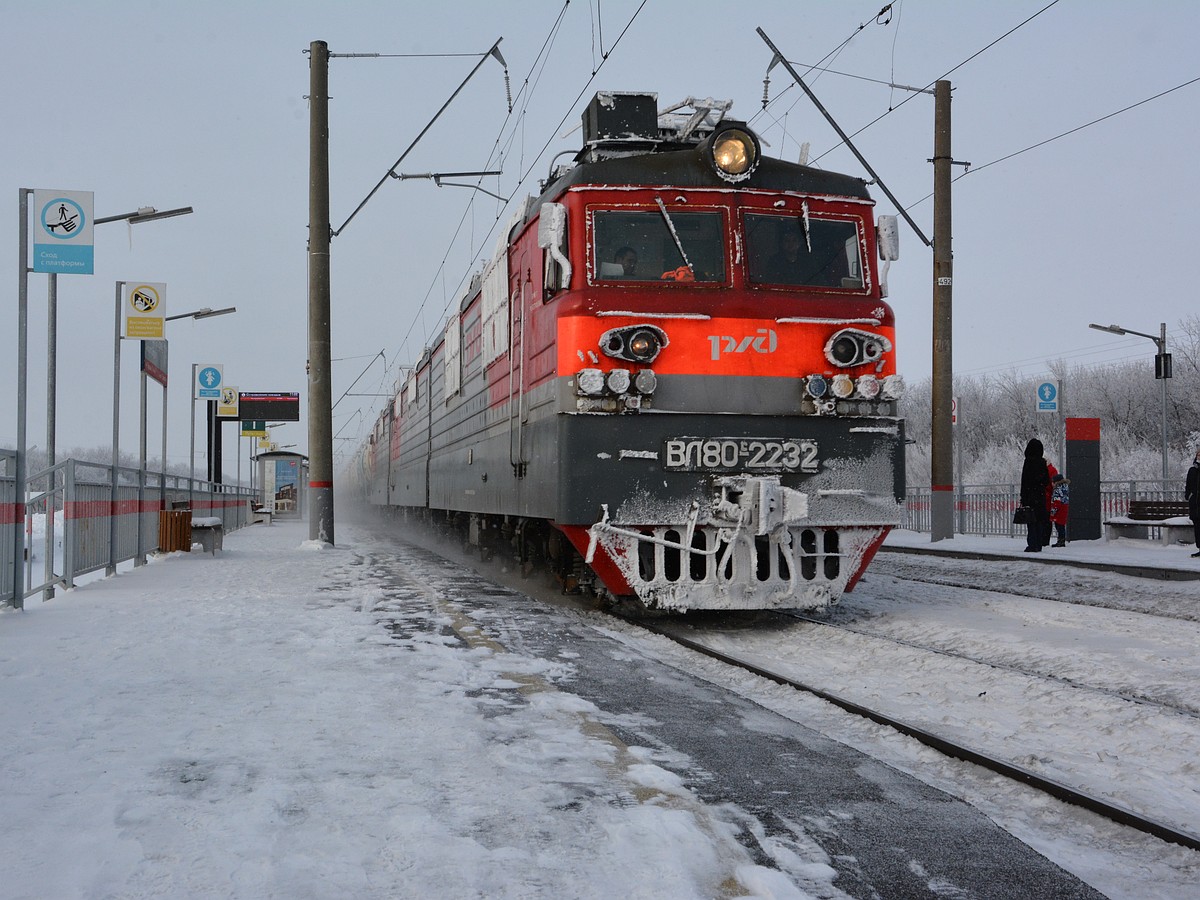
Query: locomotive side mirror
pixel 888 237
pixel 552 237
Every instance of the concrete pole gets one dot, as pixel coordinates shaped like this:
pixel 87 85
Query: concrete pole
pixel 942 443
pixel 320 391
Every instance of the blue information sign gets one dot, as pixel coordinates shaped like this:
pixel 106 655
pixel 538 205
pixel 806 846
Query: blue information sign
pixel 1047 396
pixel 208 382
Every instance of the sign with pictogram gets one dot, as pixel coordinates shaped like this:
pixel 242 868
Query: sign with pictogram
pixel 227 403
pixel 145 310
pixel 208 381
pixel 62 235
pixel 254 429
pixel 1047 396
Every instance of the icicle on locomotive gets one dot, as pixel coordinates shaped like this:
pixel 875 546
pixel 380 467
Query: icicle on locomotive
pixel 675 380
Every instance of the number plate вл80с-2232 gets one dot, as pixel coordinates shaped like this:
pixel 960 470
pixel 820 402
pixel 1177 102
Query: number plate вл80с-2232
pixel 692 454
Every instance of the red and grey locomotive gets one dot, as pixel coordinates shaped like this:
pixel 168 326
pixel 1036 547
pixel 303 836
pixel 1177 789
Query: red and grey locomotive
pixel 675 379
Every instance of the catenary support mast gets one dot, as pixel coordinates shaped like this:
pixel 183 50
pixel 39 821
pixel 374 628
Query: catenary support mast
pixel 942 444
pixel 320 393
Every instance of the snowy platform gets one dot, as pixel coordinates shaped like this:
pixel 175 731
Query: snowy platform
pixel 1134 557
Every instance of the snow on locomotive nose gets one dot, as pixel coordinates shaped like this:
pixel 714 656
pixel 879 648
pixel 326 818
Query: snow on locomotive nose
pixel 680 360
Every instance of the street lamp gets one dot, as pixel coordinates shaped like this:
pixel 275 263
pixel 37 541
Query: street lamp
pixel 1162 371
pixel 145 214
pixel 142 214
pixel 116 439
pixel 205 313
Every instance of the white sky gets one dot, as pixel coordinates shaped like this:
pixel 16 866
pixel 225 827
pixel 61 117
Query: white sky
pixel 171 104
pixel 246 726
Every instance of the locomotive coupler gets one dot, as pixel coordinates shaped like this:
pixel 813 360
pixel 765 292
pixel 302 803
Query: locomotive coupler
pixel 759 503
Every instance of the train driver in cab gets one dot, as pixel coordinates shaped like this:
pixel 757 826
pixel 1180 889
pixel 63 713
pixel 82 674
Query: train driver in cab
pixel 627 258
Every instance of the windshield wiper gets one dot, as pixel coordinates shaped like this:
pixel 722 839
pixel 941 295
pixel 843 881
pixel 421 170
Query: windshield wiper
pixel 674 234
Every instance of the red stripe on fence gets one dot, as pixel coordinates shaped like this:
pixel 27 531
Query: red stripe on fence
pixel 11 513
pixel 101 509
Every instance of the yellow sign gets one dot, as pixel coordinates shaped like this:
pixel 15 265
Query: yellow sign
pixel 145 310
pixel 227 405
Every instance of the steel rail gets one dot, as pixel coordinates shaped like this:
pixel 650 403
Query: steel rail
pixel 1111 811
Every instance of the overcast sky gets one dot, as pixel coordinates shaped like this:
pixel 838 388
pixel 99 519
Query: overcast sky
pixel 176 104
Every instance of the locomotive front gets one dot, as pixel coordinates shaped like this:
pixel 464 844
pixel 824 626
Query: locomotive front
pixel 726 429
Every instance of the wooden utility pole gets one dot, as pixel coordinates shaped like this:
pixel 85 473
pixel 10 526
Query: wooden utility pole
pixel 942 438
pixel 320 392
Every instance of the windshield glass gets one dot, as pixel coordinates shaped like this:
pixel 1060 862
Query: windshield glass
pixel 639 245
pixel 793 250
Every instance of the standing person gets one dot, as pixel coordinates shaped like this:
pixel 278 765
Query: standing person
pixel 1191 493
pixel 1035 482
pixel 1060 507
pixel 1051 474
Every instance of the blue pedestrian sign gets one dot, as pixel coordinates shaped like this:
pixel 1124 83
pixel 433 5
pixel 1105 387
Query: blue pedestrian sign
pixel 1047 396
pixel 62 233
pixel 208 382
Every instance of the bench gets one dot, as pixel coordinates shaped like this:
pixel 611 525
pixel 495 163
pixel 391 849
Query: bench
pixel 1170 517
pixel 208 532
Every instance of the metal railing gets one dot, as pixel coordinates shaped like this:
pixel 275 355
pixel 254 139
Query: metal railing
pixel 76 505
pixel 988 508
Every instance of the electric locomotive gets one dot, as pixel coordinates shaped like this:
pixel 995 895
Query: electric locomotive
pixel 675 379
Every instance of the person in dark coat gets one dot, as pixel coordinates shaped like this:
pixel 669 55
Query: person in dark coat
pixel 1035 486
pixel 1191 493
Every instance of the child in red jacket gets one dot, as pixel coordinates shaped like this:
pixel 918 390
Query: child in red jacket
pixel 1060 503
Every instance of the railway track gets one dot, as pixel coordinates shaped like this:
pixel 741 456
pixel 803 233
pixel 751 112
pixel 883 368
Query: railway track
pixel 1127 696
pixel 1109 810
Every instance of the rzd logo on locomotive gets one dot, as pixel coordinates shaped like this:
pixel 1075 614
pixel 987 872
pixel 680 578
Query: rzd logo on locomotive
pixel 764 341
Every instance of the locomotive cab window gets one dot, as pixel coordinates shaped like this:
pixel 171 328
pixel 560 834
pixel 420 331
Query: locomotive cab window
pixel 653 245
pixel 798 250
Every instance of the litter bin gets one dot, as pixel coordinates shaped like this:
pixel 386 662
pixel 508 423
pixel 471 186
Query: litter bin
pixel 174 530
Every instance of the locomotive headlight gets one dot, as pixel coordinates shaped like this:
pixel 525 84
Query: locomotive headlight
pixel 843 386
pixel 733 152
pixel 817 386
pixel 618 381
pixel 854 347
pixel 634 343
pixel 893 387
pixel 844 350
pixel 644 345
pixel 590 382
pixel 645 381
pixel 868 387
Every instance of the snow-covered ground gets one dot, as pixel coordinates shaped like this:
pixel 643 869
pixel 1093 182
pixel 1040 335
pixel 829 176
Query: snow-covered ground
pixel 241 726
